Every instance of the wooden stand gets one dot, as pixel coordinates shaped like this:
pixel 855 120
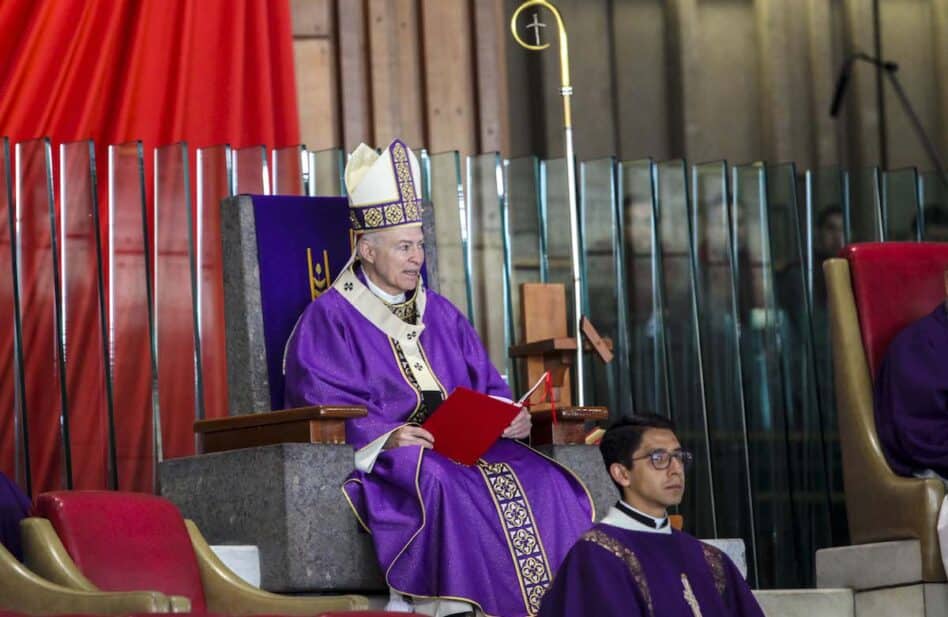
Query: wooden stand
pixel 318 424
pixel 548 347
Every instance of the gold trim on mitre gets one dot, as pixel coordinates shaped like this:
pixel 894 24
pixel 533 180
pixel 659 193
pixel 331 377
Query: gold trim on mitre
pixel 384 189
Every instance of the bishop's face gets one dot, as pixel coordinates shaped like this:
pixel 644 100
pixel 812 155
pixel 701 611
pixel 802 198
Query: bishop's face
pixel 649 489
pixel 392 258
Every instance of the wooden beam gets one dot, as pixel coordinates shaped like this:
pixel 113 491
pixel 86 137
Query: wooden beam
pixel 316 92
pixel 311 18
pixel 449 75
pixel 493 96
pixel 355 87
pixel 395 68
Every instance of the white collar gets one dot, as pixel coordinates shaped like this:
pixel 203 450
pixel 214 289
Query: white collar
pixel 617 518
pixel 381 293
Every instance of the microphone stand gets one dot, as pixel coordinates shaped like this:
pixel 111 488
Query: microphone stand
pixel 890 69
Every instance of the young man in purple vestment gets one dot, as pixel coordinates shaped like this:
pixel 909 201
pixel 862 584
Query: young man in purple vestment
pixel 911 403
pixel 451 539
pixel 632 564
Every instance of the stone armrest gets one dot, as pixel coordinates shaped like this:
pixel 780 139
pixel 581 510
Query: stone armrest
pixel 228 594
pixel 23 591
pixel 44 554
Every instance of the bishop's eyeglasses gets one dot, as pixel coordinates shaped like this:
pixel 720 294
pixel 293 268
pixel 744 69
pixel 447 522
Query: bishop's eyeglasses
pixel 661 459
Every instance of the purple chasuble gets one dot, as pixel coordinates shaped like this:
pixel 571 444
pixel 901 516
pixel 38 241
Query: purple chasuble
pixel 613 572
pixel 911 397
pixel 491 534
pixel 14 507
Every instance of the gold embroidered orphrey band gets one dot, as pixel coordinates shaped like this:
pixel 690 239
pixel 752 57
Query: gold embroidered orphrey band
pixel 520 529
pixel 628 557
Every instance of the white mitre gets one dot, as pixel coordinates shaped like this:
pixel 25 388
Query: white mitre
pixel 384 189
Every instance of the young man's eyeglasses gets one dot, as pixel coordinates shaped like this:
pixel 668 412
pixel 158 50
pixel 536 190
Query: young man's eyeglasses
pixel 661 459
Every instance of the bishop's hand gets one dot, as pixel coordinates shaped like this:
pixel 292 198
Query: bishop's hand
pixel 520 427
pixel 410 436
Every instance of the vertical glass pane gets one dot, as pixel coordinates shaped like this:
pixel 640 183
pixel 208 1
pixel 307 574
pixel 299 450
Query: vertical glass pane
pixel 326 169
pixel 443 185
pixel 600 240
pixel 762 363
pixel 900 205
pixel 824 227
pixel 214 182
pixel 89 385
pixel 288 167
pixel 681 330
pixel 523 231
pixel 933 195
pixel 131 335
pixel 720 332
pixel 826 192
pixel 824 237
pixel 864 205
pixel 809 471
pixel 251 172
pixel 179 383
pixel 45 384
pixel 486 193
pixel 13 447
pixel 648 360
pixel 555 221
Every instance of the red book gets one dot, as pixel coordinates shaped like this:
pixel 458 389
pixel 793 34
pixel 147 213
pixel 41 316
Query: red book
pixel 468 423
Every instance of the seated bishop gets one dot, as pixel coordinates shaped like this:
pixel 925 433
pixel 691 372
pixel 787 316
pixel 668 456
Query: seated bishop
pixel 911 404
pixel 450 538
pixel 911 397
pixel 633 564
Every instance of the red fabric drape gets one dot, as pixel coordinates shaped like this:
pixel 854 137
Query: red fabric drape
pixel 161 71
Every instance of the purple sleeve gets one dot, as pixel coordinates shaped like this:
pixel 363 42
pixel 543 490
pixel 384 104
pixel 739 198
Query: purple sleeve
pixel 322 367
pixel 591 581
pixel 911 398
pixel 14 507
pixel 739 598
pixel 482 373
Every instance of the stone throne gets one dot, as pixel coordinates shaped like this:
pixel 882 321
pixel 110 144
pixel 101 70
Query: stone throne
pixel 273 478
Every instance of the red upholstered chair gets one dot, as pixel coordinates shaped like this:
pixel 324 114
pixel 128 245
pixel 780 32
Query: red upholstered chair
pixel 102 540
pixel 22 591
pixel 875 290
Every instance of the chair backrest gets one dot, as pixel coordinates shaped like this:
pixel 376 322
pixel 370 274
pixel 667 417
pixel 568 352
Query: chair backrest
pixel 279 252
pixel 894 284
pixel 126 541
